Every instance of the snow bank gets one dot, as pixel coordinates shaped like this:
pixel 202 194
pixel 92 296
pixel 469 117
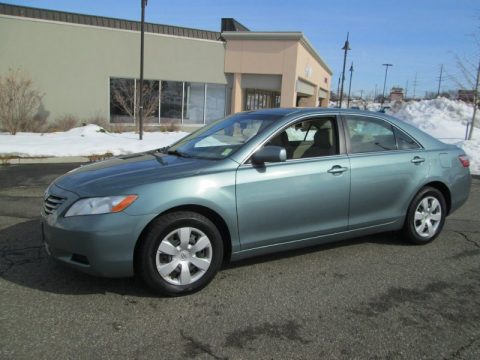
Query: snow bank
pixel 83 141
pixel 446 120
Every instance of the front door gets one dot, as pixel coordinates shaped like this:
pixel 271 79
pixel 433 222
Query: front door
pixel 304 197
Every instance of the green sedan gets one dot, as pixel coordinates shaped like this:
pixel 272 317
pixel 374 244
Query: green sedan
pixel 251 184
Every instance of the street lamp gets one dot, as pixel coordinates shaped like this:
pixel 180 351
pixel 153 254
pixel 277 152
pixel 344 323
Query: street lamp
pixel 385 81
pixel 142 35
pixel 345 48
pixel 350 85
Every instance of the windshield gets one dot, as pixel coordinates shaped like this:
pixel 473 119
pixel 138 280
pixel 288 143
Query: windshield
pixel 223 137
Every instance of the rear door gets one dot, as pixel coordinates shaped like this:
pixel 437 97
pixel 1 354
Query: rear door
pixel 386 167
pixel 303 197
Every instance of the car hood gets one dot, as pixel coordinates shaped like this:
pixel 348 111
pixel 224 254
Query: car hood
pixel 127 172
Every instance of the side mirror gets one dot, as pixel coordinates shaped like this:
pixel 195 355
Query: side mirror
pixel 269 153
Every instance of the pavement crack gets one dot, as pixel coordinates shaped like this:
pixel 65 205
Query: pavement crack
pixel 194 347
pixel 465 236
pixel 457 353
pixel 19 256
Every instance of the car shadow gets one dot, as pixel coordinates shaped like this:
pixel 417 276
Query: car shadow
pixel 23 261
pixel 387 239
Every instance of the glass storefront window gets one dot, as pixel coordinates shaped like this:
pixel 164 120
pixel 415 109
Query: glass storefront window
pixel 122 100
pixel 193 103
pixel 150 100
pixel 171 102
pixel 216 94
pixel 189 103
pixel 260 99
pixel 124 97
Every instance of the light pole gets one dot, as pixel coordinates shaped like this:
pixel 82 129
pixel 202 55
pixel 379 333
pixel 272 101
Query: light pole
pixel 345 48
pixel 350 85
pixel 338 91
pixel 385 81
pixel 140 98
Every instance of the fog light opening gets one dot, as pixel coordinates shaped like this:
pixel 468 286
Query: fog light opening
pixel 82 259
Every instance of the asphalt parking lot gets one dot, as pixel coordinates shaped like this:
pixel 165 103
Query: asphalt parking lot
pixel 370 298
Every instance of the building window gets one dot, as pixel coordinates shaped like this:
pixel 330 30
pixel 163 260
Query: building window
pixel 171 102
pixel 122 100
pixel 193 103
pixel 260 99
pixel 187 103
pixel 125 95
pixel 216 94
pixel 150 100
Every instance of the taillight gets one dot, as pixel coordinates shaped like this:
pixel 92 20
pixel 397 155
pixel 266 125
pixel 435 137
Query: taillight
pixel 464 160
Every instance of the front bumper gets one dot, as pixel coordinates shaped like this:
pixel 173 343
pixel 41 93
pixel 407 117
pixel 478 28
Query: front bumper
pixel 100 245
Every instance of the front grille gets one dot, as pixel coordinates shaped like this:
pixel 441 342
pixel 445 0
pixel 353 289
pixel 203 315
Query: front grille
pixel 52 203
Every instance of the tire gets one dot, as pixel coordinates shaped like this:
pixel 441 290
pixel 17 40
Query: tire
pixel 425 216
pixel 180 253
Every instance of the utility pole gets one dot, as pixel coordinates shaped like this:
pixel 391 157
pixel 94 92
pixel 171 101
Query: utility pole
pixel 142 35
pixel 361 94
pixel 350 85
pixel 375 93
pixel 414 86
pixel 385 81
pixel 338 91
pixel 440 80
pixel 475 104
pixel 406 90
pixel 345 48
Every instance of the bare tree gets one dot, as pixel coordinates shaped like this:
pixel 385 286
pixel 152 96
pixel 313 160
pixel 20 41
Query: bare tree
pixel 127 96
pixel 468 77
pixel 19 101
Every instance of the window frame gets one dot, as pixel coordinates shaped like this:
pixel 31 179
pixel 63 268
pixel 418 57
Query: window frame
pixel 375 118
pixel 338 128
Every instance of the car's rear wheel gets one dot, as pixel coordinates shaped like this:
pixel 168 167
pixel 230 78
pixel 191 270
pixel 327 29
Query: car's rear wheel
pixel 425 217
pixel 180 254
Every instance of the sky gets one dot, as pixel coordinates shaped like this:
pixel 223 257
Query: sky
pixel 416 36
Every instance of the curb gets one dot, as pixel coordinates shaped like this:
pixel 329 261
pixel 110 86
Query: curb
pixel 48 160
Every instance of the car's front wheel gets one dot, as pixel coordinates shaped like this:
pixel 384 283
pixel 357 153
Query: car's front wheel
pixel 180 254
pixel 425 216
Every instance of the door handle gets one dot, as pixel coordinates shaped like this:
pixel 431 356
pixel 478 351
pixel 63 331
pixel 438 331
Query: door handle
pixel 417 160
pixel 337 170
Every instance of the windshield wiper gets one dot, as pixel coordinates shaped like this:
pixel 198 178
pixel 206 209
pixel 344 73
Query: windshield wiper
pixel 163 150
pixel 178 153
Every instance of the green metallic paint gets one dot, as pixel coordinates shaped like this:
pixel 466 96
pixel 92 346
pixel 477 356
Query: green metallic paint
pixel 266 208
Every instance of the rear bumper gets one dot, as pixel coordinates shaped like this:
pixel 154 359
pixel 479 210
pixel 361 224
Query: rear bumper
pixel 460 191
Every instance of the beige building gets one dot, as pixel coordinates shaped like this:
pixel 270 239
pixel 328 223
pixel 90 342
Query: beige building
pixel 88 66
pixel 281 69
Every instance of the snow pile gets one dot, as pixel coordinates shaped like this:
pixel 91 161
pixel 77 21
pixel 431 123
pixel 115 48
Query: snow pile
pixel 373 106
pixel 83 141
pixel 446 120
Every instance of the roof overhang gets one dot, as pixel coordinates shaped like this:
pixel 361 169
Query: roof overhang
pixel 293 35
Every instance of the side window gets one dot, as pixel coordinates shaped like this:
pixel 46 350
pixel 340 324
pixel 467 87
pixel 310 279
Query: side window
pixel 404 141
pixel 369 135
pixel 309 138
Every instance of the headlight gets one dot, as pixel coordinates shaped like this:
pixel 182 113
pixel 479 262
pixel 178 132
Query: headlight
pixel 101 205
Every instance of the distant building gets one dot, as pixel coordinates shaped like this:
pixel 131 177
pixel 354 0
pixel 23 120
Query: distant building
pixel 465 95
pixel 396 94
